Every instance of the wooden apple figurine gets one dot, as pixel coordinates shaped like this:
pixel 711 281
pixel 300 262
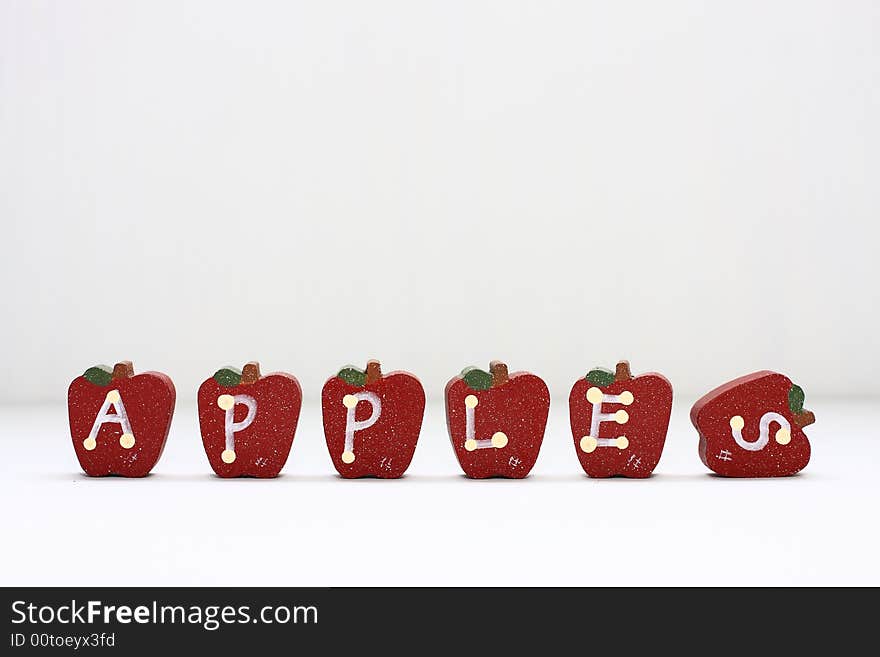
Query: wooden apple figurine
pixel 496 421
pixel 372 420
pixel 619 422
pixel 753 426
pixel 248 421
pixel 119 422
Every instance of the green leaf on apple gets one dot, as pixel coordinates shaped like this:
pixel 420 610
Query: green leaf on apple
pixel 476 378
pixel 228 376
pixel 353 376
pixel 796 399
pixel 600 376
pixel 100 375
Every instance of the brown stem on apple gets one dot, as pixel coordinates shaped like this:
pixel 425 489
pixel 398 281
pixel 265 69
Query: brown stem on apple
pixel 622 373
pixel 373 372
pixel 498 370
pixel 804 418
pixel 250 373
pixel 123 370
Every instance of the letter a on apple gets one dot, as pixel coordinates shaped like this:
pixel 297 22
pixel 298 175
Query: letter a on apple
pixel 119 421
pixel 113 401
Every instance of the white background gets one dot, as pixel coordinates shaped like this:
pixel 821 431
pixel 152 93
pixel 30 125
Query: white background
pixel 684 526
pixel 691 186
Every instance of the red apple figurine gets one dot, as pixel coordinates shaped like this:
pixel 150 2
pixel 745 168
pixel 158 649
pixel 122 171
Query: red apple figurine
pixel 753 427
pixel 119 422
pixel 496 421
pixel 372 421
pixel 248 421
pixel 619 422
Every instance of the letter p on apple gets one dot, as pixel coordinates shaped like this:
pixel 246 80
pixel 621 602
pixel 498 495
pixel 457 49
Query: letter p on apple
pixel 351 424
pixel 228 404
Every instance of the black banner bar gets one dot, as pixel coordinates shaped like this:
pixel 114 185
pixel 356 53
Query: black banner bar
pixel 125 621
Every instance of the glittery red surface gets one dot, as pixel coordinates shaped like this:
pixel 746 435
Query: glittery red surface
pixel 149 402
pixel 645 429
pixel 750 397
pixel 517 408
pixel 261 449
pixel 386 448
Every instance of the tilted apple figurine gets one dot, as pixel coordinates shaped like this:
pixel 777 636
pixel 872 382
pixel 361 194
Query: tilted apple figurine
pixel 619 422
pixel 753 427
pixel 372 421
pixel 248 421
pixel 119 422
pixel 496 420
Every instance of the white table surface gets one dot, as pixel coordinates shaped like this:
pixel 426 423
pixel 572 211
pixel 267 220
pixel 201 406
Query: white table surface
pixel 684 526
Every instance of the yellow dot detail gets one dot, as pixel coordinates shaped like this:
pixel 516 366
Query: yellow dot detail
pixel 113 396
pixel 350 401
pixel 621 417
pixel 499 439
pixel 589 444
pixel 626 398
pixel 621 442
pixel 471 401
pixel 225 402
pixel 737 423
pixel 126 440
pixel 228 456
pixel 783 436
pixel 470 444
pixel 594 396
pixel 348 457
pixel 90 444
